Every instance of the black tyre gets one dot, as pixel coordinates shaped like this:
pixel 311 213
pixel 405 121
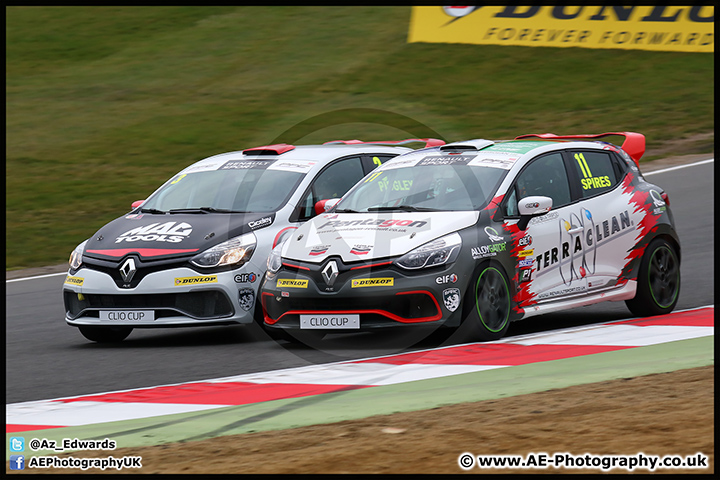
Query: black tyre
pixel 105 334
pixel 488 317
pixel 658 283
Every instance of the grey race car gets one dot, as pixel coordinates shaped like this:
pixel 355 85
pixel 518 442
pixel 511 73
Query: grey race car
pixel 193 253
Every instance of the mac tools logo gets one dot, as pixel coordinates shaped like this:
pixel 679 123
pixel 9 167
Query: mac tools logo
pixel 171 232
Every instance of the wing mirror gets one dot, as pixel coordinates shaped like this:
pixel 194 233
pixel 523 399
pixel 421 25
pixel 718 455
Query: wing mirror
pixel 325 205
pixel 531 207
pixel 136 204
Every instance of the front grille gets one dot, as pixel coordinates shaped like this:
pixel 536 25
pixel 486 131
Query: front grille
pixel 200 305
pixel 415 306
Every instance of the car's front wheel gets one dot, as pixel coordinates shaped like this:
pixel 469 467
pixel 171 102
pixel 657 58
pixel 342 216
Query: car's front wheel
pixel 488 317
pixel 105 334
pixel 658 284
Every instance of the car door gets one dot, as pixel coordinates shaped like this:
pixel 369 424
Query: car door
pixel 549 252
pixel 604 214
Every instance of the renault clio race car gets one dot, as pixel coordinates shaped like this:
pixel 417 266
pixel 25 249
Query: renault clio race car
pixel 193 253
pixel 481 233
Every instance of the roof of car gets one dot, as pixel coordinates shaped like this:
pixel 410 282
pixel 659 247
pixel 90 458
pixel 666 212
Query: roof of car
pixel 532 144
pixel 318 152
pixel 316 155
pixel 321 152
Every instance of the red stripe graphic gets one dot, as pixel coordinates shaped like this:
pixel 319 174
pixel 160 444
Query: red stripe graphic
pixel 143 252
pixel 702 317
pixel 494 354
pixel 27 428
pixel 220 393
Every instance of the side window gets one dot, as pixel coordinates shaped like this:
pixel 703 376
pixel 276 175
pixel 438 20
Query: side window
pixel 596 172
pixel 333 182
pixel 372 161
pixel 511 208
pixel 544 176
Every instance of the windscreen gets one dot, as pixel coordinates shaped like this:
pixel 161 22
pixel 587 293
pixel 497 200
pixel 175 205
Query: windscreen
pixel 230 190
pixel 458 187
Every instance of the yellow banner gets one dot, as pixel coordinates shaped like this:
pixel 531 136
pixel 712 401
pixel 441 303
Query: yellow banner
pixel 667 29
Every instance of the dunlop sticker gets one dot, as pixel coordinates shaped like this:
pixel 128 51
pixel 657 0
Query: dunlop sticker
pixel 373 282
pixel 196 280
pixel 288 283
pixel 74 281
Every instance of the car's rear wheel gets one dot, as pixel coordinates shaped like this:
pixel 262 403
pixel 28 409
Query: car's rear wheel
pixel 489 314
pixel 658 284
pixel 105 334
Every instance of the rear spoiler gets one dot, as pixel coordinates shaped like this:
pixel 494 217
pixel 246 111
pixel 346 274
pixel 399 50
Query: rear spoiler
pixel 429 142
pixel 276 149
pixel 477 144
pixel 634 144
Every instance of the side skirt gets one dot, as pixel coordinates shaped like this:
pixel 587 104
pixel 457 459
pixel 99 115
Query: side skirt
pixel 615 294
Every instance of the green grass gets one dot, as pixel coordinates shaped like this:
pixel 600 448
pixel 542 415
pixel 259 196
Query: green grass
pixel 103 104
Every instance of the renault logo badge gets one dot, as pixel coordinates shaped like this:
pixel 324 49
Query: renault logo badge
pixel 127 270
pixel 330 273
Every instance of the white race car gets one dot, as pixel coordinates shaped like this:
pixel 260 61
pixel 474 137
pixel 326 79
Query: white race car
pixel 478 234
pixel 193 253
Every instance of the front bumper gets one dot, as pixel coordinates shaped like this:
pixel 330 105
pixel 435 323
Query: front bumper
pixel 382 297
pixel 176 296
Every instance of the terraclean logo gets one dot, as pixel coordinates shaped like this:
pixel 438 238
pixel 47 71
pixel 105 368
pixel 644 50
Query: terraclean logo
pixel 196 280
pixel 582 235
pixel 373 282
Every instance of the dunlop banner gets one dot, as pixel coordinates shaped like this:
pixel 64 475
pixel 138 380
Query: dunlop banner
pixel 667 29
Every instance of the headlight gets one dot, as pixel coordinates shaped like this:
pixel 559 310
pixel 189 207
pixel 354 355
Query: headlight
pixel 76 256
pixel 438 252
pixel 274 261
pixel 235 251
